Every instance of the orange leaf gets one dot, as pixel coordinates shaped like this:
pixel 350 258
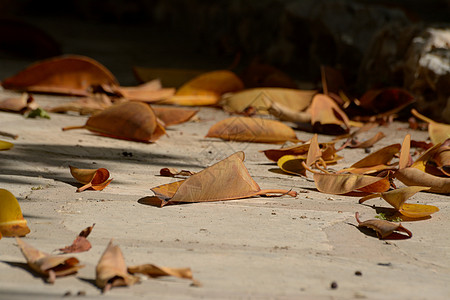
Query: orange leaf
pixel 247 129
pixel 80 244
pixel 328 151
pixel 151 91
pixel 412 176
pixel 380 157
pixel 327 116
pixel 339 184
pixel 173 115
pixel 111 270
pixel 85 106
pixel 154 271
pixel 172 172
pixel 405 157
pixel 383 228
pixel 21 105
pixel 96 179
pixel 51 266
pixel 70 74
pixel 226 180
pixel 12 222
pixel 129 120
pixel 314 152
pixel 169 77
pixel 438 132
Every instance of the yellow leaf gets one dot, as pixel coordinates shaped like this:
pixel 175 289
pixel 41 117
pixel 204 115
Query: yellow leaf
pixel 12 222
pixel 438 132
pixel 96 179
pixel 5 145
pixel 292 164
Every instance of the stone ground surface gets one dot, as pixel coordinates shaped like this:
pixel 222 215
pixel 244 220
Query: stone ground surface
pixel 268 248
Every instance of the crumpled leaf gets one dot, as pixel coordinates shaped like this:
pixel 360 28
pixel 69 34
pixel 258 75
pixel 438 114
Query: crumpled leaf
pixel 172 172
pixel 154 271
pixel 413 177
pixel 69 74
pixel 226 180
pixel 96 179
pixel 85 106
pixel 261 98
pixel 438 132
pixel 383 228
pixel 173 115
pixel 12 222
pixel 328 152
pixel 21 105
pixel 129 120
pixel 80 244
pixel 151 91
pixel 397 199
pixel 51 266
pixel 4 145
pixel 206 89
pixel 111 270
pixel 326 116
pixel 339 184
pixel 247 129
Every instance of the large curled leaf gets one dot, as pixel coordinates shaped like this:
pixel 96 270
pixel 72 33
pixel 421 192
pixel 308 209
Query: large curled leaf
pixel 129 120
pixel 397 199
pixel 326 115
pixel 226 180
pixel 96 179
pixel 415 177
pixel 173 115
pixel 260 98
pixel 383 228
pixel 438 132
pixel 111 269
pixel 247 129
pixel 70 74
pixel 50 266
pixel 339 184
pixel 4 145
pixel 12 222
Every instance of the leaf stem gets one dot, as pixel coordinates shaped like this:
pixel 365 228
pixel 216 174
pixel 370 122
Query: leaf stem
pixel 73 127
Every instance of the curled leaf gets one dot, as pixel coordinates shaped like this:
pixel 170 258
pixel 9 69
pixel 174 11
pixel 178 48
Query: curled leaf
pixel 397 199
pixel 172 172
pixel 339 184
pixel 326 115
pixel 226 180
pixel 380 157
pixel 442 159
pixel 21 105
pixel 96 179
pixel 12 222
pixel 368 143
pixel 247 129
pixel 405 156
pixel 70 74
pixel 151 91
pixel 438 132
pixel 129 120
pixel 328 152
pixel 383 228
pixel 293 164
pixel 85 106
pixel 51 266
pixel 80 244
pixel 4 145
pixel 111 270
pixel 173 115
pixel 155 271
pixel 413 177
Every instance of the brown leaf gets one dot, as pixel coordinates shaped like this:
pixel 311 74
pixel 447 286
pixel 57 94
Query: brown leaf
pixel 339 184
pixel 21 105
pixel 285 113
pixel 438 132
pixel 380 157
pixel 51 266
pixel 85 106
pixel 383 228
pixel 80 244
pixel 326 116
pixel 314 152
pixel 328 151
pixel 129 120
pixel 154 271
pixel 169 77
pixel 111 270
pixel 172 172
pixel 151 91
pixel 173 115
pixel 390 100
pixel 69 74
pixel 226 180
pixel 442 158
pixel 414 177
pixel 96 179
pixel 257 130
pixel 367 143
pixel 405 156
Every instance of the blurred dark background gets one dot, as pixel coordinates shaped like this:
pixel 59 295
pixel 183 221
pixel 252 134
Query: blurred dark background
pixel 294 36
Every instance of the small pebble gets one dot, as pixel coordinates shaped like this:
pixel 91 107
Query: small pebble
pixel 358 273
pixel 81 293
pixel 67 294
pixel 334 285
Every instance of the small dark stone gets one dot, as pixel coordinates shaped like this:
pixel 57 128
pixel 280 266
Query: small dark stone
pixel 358 273
pixel 81 293
pixel 67 294
pixel 367 150
pixel 334 285
pixel 385 264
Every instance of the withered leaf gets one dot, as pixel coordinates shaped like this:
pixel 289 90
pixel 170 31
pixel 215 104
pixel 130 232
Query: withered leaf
pixel 155 271
pixel 85 106
pixel 438 132
pixel 415 177
pixel 339 184
pixel 12 222
pixel 226 180
pixel 69 74
pixel 51 266
pixel 151 91
pixel 383 228
pixel 328 151
pixel 380 157
pixel 96 179
pixel 111 270
pixel 405 156
pixel 397 199
pixel 80 244
pixel 169 77
pixel 390 100
pixel 173 115
pixel 367 143
pixel 21 105
pixel 172 172
pixel 442 158
pixel 247 129
pixel 326 115
pixel 129 120
pixel 285 113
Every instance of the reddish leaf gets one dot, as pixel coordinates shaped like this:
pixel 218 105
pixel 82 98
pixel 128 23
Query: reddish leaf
pixel 80 244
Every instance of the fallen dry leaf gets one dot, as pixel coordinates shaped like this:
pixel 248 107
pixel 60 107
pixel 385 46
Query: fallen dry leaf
pixel 390 100
pixel 85 106
pixel 285 113
pixel 397 199
pixel 415 177
pixel 339 184
pixel 383 228
pixel 172 172
pixel 21 105
pixel 12 222
pixel 111 270
pixel 80 244
pixel 173 115
pixel 380 157
pixel 129 120
pixel 405 157
pixel 328 151
pixel 367 143
pixel 326 116
pixel 438 132
pixel 151 91
pixel 442 158
pixel 154 271
pixel 96 179
pixel 247 129
pixel 51 266
pixel 169 77
pixel 226 180
pixel 4 145
pixel 69 74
